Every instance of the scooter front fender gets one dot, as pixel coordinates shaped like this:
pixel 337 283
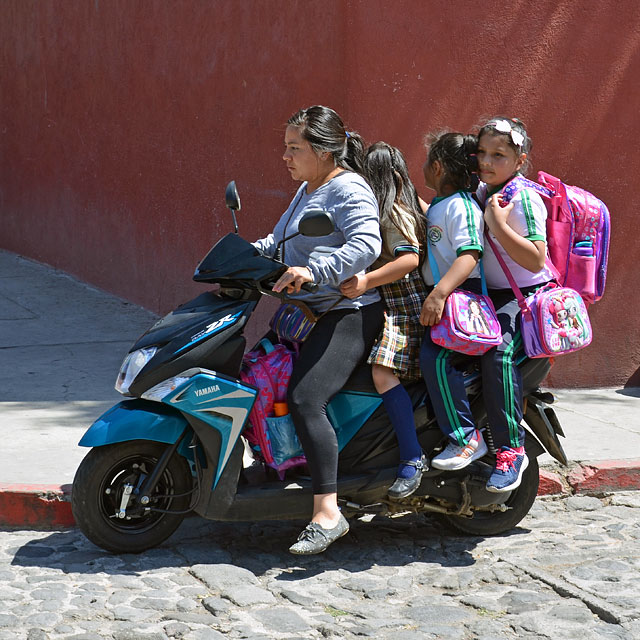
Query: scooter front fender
pixel 135 420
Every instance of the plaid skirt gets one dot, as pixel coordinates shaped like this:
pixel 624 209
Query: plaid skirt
pixel 398 346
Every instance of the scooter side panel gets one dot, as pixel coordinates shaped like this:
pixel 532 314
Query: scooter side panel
pixel 135 420
pixel 348 411
pixel 219 402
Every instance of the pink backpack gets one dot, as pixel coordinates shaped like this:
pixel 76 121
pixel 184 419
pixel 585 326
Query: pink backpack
pixel 578 230
pixel 268 368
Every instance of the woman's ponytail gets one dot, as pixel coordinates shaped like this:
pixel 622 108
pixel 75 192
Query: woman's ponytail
pixel 355 152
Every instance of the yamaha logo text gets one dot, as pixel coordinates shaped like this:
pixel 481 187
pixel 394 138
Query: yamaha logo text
pixel 207 390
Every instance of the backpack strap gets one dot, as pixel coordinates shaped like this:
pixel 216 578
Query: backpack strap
pixel 519 183
pixel 266 344
pixel 507 273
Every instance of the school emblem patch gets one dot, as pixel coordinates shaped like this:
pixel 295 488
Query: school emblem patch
pixel 435 234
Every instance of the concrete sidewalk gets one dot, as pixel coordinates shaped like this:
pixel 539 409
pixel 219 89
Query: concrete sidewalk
pixel 61 346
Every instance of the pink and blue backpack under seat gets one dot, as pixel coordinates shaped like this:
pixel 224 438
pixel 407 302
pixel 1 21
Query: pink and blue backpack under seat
pixel 578 233
pixel 268 367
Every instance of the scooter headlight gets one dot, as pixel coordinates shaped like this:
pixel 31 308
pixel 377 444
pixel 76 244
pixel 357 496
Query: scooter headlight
pixel 164 388
pixel 132 366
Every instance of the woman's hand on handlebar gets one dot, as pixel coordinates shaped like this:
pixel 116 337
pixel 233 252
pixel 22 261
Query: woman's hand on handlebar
pixel 292 279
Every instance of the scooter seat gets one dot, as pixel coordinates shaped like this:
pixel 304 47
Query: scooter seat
pixel 361 380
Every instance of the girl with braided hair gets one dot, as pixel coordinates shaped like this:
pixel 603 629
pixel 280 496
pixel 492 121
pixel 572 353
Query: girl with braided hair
pixel 395 356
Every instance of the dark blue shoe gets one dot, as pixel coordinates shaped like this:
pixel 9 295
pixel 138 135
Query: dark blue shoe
pixel 507 475
pixel 404 487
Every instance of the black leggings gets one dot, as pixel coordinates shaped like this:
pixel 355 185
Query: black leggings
pixel 338 343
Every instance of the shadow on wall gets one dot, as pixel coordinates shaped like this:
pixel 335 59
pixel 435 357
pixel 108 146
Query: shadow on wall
pixel 634 381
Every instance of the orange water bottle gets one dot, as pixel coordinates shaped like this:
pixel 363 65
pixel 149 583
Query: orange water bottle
pixel 280 408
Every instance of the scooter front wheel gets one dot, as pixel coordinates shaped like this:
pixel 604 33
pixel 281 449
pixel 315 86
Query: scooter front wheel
pixel 104 498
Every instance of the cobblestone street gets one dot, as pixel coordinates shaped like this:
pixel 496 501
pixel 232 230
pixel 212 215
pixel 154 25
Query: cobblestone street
pixel 571 570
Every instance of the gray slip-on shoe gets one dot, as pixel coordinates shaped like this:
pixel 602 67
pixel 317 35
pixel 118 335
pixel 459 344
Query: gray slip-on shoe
pixel 315 538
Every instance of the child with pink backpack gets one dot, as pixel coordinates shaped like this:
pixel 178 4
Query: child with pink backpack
pixel 517 232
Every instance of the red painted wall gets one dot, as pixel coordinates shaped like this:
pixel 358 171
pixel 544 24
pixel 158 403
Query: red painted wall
pixel 121 123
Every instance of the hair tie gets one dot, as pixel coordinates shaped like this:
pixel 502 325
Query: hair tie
pixel 346 133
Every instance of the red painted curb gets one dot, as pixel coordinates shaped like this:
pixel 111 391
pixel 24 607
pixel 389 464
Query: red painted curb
pixel 551 483
pixel 606 475
pixel 35 506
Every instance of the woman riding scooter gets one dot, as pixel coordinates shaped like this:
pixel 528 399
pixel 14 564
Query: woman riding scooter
pixel 327 159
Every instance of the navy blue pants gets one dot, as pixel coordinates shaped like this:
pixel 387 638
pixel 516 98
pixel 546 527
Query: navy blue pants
pixel 447 393
pixel 501 380
pixel 446 387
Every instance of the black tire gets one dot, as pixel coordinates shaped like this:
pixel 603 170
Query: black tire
pixel 98 488
pixel 485 523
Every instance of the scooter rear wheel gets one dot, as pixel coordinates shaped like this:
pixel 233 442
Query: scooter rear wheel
pixel 485 523
pixel 100 483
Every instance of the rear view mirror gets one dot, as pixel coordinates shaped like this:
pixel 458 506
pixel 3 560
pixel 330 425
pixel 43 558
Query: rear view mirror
pixel 316 223
pixel 232 199
pixel 231 196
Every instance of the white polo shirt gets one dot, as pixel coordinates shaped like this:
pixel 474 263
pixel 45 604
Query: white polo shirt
pixel 454 225
pixel 528 218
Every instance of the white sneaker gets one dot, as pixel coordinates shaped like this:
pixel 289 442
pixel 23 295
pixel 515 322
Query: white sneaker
pixel 455 457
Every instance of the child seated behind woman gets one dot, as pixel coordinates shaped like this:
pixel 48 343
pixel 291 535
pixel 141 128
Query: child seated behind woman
pixel 396 354
pixel 454 231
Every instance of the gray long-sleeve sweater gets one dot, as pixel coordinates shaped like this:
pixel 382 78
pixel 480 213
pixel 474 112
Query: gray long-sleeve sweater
pixel 349 250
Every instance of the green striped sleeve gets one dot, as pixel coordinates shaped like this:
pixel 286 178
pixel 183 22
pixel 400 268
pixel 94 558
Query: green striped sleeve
pixel 405 249
pixel 528 213
pixel 471 221
pixel 470 247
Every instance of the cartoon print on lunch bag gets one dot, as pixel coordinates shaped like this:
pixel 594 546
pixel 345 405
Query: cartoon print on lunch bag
pixel 559 322
pixel 477 320
pixel 575 327
pixel 566 326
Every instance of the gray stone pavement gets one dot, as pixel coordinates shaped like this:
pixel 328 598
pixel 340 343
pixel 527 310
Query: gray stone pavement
pixel 570 570
pixel 62 343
